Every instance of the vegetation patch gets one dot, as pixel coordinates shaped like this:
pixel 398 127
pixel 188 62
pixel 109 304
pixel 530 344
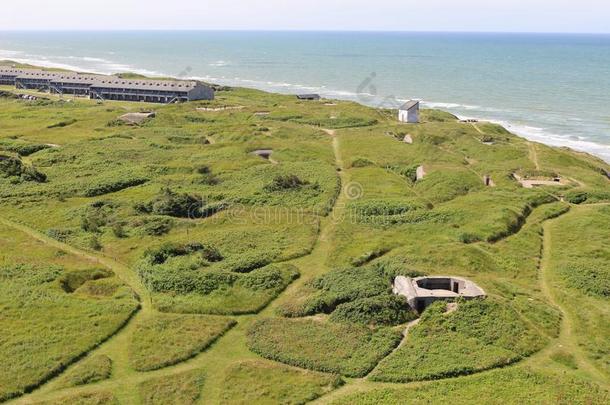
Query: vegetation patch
pixel 90 370
pixel 46 329
pixel 340 348
pixel 262 382
pixel 480 335
pixel 361 295
pixel 168 339
pixel 182 388
pixel 14 167
pixel 87 398
pixel 512 385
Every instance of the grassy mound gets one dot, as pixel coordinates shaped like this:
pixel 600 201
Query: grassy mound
pixel 91 370
pixel 330 347
pixel 196 278
pixel 182 388
pixel 262 382
pixel 480 335
pixel 167 339
pixel 507 386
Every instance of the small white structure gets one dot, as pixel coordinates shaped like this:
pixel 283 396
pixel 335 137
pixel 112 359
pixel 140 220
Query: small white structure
pixel 409 112
pixel 420 173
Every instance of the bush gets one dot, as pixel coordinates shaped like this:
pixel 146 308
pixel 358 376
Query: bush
pixel 71 281
pixel 362 162
pixel 14 167
pixel 157 226
pixel 286 182
pixel 160 255
pixel 62 124
pixel 112 185
pixel 379 310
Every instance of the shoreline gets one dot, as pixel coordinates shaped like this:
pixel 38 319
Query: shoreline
pixel 535 134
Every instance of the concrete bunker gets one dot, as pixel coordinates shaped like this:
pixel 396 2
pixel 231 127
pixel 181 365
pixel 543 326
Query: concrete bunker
pixel 263 153
pixel 137 118
pixel 420 292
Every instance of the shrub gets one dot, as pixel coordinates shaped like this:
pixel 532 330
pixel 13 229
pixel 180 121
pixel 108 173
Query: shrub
pixel 112 185
pixel 286 182
pixel 379 310
pixel 362 162
pixel 157 226
pixel 14 167
pixel 62 124
pixel 71 281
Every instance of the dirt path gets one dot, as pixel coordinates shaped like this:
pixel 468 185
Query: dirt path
pixel 566 340
pixel 533 154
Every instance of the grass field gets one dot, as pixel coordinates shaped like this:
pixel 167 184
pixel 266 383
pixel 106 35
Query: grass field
pixel 261 382
pixel 168 339
pixel 167 262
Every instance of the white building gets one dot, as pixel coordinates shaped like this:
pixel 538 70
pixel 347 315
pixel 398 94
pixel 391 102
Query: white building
pixel 409 112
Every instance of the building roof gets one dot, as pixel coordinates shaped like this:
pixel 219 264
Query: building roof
pixel 308 96
pixel 100 81
pixel 110 82
pixel 409 104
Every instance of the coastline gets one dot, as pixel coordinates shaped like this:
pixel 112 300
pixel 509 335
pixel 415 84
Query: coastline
pixel 536 134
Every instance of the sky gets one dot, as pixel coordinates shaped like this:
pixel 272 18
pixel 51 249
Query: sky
pixel 586 16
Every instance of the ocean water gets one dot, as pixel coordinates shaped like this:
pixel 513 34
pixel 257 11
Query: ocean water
pixel 552 88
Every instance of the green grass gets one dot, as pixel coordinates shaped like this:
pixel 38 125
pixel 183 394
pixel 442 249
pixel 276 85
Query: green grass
pixel 168 339
pixel 511 386
pixel 480 335
pixel 46 328
pixel 90 398
pixel 259 224
pixel 581 262
pixel 345 349
pixel 262 382
pixel 182 388
pixel 90 370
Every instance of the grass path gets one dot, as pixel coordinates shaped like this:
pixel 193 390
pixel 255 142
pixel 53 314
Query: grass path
pixel 566 340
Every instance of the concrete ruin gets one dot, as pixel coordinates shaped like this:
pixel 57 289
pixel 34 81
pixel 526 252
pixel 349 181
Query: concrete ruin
pixel 488 181
pixel 137 118
pixel 263 153
pixel 531 183
pixel 420 292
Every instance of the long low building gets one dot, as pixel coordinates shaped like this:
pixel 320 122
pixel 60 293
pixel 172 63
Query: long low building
pixel 102 87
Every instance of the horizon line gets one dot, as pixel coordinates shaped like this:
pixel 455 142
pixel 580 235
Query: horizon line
pixel 304 31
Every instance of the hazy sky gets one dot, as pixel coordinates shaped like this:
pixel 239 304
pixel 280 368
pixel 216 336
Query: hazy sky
pixel 401 15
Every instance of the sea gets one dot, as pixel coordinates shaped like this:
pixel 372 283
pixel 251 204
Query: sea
pixel 551 88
